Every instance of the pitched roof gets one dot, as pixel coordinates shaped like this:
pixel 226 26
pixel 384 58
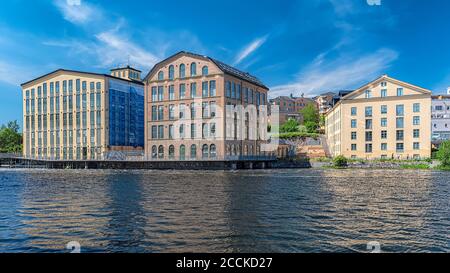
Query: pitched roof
pixel 221 65
pixel 126 67
pixel 81 72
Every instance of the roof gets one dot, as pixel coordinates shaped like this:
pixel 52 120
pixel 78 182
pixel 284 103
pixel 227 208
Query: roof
pixel 126 67
pixel 227 69
pixel 81 72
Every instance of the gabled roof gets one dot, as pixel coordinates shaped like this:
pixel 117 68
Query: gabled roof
pixel 227 69
pixel 126 67
pixel 80 72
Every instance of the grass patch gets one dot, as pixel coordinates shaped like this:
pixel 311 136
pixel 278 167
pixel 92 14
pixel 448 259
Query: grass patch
pixel 298 135
pixel 415 166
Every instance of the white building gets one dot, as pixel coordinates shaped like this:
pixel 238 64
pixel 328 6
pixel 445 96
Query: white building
pixel 440 117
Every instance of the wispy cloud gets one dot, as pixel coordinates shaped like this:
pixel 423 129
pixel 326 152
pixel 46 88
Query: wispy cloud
pixel 249 49
pixel 77 11
pixel 345 72
pixel 13 74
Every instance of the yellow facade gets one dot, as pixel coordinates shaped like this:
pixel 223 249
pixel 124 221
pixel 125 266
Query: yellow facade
pixel 385 119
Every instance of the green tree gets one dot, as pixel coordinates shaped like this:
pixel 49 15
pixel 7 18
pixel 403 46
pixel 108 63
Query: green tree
pixel 10 138
pixel 311 117
pixel 443 154
pixel 340 161
pixel 290 126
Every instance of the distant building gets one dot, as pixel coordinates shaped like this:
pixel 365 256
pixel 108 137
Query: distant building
pixel 440 118
pixel 385 118
pixel 74 115
pixel 290 107
pixel 324 102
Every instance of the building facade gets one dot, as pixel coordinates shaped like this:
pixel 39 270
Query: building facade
pixel 187 118
pixel 290 107
pixel 74 115
pixel 324 102
pixel 440 118
pixel 385 119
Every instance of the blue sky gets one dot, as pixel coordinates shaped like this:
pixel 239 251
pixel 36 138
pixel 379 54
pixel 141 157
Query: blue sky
pixel 304 46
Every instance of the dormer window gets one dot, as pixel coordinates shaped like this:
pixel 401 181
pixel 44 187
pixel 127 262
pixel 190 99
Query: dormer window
pixel 399 92
pixel 383 84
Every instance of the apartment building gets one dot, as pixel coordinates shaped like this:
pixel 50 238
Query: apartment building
pixel 440 118
pixel 74 115
pixel 324 102
pixel 289 107
pixel 383 119
pixel 186 100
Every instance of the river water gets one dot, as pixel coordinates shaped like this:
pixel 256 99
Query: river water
pixel 223 211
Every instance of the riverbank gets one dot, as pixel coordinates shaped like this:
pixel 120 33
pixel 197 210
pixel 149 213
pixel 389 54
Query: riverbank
pixel 382 164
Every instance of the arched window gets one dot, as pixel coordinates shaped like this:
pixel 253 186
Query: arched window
pixel 161 152
pixel 205 151
pixel 212 151
pixel 246 149
pixel 171 72
pixel 171 152
pixel 161 75
pixel 205 71
pixel 193 69
pixel 182 152
pixel 154 152
pixel 193 151
pixel 182 71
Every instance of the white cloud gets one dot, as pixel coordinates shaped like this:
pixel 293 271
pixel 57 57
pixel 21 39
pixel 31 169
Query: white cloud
pixel 249 49
pixel 345 72
pixel 77 12
pixel 13 74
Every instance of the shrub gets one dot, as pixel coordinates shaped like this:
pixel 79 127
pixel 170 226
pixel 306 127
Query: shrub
pixel 444 154
pixel 340 161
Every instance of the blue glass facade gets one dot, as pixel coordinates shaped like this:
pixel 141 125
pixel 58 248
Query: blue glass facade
pixel 126 114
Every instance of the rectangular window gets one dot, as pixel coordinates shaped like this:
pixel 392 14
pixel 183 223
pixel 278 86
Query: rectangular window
pixel 400 123
pixel 369 136
pixel 171 131
pixel 353 123
pixel 383 93
pixel 400 110
pixel 368 124
pixel 368 148
pixel 193 90
pixel 384 146
pixel 354 135
pixel 171 112
pixel 246 94
pixel 228 89
pixel 205 91
pixel 154 94
pixel 193 131
pixel 383 109
pixel 77 85
pixel 239 92
pixel 416 133
pixel 384 122
pixel 368 94
pixel 354 111
pixel 368 111
pixel 154 113
pixel 154 132
pixel 161 112
pixel 416 120
pixel 354 147
pixel 160 93
pixel 212 88
pixel 233 90
pixel 171 92
pixel 399 92
pixel 383 134
pixel 400 135
pixel 416 146
pixel 182 91
pixel 416 107
pixel 400 147
pixel 161 131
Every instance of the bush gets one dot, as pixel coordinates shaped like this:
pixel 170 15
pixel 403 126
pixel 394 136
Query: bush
pixel 340 161
pixel 444 154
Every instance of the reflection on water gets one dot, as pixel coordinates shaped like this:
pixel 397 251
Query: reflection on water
pixel 245 211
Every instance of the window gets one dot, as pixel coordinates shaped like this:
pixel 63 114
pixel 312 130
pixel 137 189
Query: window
pixel 193 131
pixel 160 112
pixel 439 108
pixel 181 131
pixel 353 123
pixel 400 135
pixel 354 111
pixel 369 148
pixel 160 76
pixel 213 151
pixel 154 132
pixel 399 92
pixel 160 93
pixel 400 147
pixel 383 134
pixel 154 113
pixel 212 88
pixel 354 147
pixel 354 136
pixel 383 93
pixel 383 122
pixel 368 94
pixel 369 136
pixel 171 72
pixel 182 71
pixel 182 91
pixel 416 133
pixel 205 151
pixel 416 107
pixel 193 90
pixel 205 71
pixel 228 89
pixel 383 109
pixel 193 69
pixel 400 110
pixel 368 111
pixel 400 123
pixel 182 152
pixel 416 120
pixel 171 92
pixel 204 89
pixel 416 146
pixel 154 94
pixel 368 124
pixel 161 152
pixel 161 132
pixel 384 146
pixel 154 152
pixel 171 131
pixel 171 152
pixel 193 151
